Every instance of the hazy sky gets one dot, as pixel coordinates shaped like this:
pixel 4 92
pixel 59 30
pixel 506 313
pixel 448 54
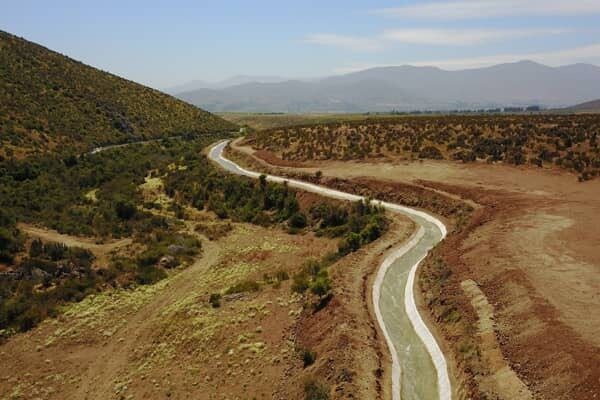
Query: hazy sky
pixel 164 43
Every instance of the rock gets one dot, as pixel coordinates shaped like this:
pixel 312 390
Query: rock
pixel 168 262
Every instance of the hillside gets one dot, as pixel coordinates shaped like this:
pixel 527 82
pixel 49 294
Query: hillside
pixel 50 101
pixel 589 106
pixel 408 88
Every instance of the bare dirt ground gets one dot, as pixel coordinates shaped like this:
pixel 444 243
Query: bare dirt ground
pixel 534 257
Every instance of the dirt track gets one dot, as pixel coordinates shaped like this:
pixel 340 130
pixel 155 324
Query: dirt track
pixel 100 250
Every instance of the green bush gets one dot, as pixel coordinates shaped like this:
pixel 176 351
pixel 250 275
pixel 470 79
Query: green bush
pixel 147 275
pixel 301 282
pixel 298 220
pixel 321 285
pixel 350 243
pixel 125 209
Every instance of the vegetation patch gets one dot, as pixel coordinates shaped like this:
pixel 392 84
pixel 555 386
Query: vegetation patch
pixel 571 142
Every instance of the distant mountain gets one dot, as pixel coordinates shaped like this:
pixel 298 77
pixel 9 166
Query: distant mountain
pixel 589 106
pixel 409 88
pixel 51 102
pixel 233 81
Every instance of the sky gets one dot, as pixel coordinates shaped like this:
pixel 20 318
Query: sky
pixel 167 43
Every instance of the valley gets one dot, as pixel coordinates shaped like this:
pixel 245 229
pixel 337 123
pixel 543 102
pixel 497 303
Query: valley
pixel 367 230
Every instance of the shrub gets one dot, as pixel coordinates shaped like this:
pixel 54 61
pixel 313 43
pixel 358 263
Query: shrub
pixel 308 357
pixel 350 243
pixel 125 209
pixel 321 285
pixel 215 300
pixel 431 152
pixel 298 220
pixel 147 275
pixel 150 257
pixel 281 275
pixel 301 282
pixel 314 390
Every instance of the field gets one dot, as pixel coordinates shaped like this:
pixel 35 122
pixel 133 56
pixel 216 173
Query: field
pixel 564 141
pixel 512 287
pixel 260 122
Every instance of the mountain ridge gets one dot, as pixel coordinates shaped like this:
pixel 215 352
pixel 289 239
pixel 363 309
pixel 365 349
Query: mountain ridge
pixel 409 88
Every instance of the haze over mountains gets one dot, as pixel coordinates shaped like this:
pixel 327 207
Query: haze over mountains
pixel 407 88
pixel 233 81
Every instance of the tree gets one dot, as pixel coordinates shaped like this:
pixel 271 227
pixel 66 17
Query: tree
pixel 125 209
pixel 298 220
pixel 263 181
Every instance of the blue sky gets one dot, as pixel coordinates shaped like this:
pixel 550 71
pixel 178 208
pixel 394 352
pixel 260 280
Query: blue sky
pixel 162 43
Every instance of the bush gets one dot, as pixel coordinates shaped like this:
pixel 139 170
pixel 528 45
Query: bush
pixel 147 275
pixel 215 300
pixel 125 210
pixel 308 357
pixel 301 282
pixel 350 243
pixel 431 152
pixel 150 257
pixel 314 390
pixel 298 220
pixel 281 275
pixel 321 285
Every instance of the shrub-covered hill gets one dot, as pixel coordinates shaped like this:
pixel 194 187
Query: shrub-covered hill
pixel 51 102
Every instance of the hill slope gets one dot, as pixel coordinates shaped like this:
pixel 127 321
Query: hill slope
pixel 590 106
pixel 408 88
pixel 50 101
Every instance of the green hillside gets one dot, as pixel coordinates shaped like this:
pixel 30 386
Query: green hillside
pixel 49 101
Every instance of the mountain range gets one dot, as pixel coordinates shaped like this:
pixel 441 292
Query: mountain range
pixel 407 88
